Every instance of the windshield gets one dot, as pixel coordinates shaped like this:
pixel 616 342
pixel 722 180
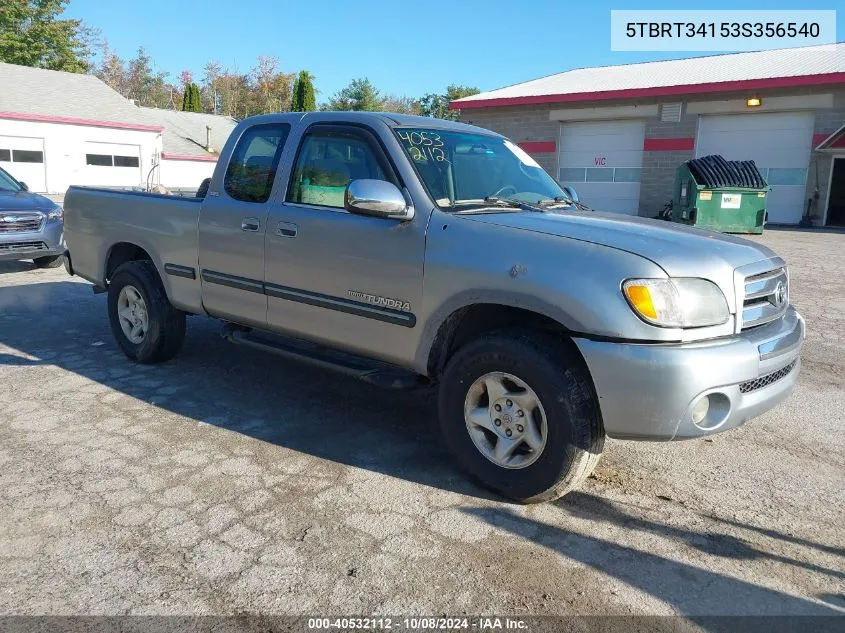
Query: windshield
pixel 7 183
pixel 461 169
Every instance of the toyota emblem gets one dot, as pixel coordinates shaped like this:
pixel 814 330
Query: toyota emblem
pixel 780 294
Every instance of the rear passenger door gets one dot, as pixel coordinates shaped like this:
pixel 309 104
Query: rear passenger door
pixel 232 226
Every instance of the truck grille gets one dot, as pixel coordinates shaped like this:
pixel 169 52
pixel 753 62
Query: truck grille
pixel 22 247
pixel 20 222
pixel 766 297
pixel 765 381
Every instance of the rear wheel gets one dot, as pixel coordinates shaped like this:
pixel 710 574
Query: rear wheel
pixel 519 411
pixel 145 324
pixel 51 261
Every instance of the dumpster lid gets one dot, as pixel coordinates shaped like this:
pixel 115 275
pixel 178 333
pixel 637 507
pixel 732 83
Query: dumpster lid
pixel 714 172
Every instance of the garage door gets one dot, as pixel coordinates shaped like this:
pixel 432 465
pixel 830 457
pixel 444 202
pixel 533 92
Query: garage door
pixel 603 161
pixel 24 158
pixel 112 165
pixel 780 144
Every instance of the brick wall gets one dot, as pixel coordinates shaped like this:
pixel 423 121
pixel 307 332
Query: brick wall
pixel 531 123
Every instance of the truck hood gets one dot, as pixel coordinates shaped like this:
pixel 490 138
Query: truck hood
pixel 682 251
pixel 24 201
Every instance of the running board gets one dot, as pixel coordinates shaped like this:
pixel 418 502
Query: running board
pixel 373 372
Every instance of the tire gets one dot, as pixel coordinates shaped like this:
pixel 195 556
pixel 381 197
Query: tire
pixel 557 376
pixel 50 261
pixel 166 325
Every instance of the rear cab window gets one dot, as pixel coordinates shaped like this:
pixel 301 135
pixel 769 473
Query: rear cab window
pixel 255 159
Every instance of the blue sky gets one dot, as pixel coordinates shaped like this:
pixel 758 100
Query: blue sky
pixel 404 48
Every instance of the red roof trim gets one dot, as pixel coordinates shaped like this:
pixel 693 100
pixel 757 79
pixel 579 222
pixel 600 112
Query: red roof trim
pixel 46 118
pixel 657 91
pixel 818 139
pixel 203 159
pixel 668 144
pixel 538 147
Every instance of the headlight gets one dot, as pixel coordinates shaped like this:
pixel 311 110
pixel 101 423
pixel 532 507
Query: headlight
pixel 56 213
pixel 683 302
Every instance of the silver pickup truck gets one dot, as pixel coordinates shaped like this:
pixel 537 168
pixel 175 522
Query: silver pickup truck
pixel 411 251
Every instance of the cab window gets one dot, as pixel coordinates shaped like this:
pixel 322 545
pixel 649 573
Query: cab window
pixel 328 160
pixel 252 169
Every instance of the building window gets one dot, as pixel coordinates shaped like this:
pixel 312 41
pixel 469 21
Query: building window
pixel 5 155
pixel 126 161
pixel 600 174
pixel 101 160
pixel 27 156
pixel 787 176
pixel 627 174
pixel 570 174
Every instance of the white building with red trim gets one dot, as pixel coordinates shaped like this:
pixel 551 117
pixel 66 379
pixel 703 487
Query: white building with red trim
pixel 618 133
pixel 59 129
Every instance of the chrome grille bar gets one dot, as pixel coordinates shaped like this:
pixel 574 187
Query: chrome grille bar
pixel 766 297
pixel 20 222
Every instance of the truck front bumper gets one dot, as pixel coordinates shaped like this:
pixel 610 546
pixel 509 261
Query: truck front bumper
pixel 46 242
pixel 654 392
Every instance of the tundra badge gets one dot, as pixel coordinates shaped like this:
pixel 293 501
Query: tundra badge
pixel 384 302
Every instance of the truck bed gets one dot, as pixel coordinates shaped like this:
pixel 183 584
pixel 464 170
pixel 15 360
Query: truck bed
pixel 97 221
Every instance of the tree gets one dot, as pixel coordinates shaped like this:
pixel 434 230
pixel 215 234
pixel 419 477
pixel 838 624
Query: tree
pixel 303 99
pixel 401 105
pixel 111 70
pixel 360 95
pixel 437 105
pixel 31 34
pixel 145 86
pixel 210 81
pixel 191 101
pixel 269 88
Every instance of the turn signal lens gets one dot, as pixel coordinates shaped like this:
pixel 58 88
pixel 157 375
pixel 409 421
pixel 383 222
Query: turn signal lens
pixel 640 299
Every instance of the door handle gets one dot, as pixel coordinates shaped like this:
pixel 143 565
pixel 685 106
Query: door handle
pixel 286 229
pixel 250 224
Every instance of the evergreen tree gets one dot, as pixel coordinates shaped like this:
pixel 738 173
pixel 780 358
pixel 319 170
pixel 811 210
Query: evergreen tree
pixel 359 95
pixel 196 100
pixel 191 99
pixel 303 93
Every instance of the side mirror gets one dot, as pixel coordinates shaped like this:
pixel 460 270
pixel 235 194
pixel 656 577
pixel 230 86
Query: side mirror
pixel 23 185
pixel 377 198
pixel 570 191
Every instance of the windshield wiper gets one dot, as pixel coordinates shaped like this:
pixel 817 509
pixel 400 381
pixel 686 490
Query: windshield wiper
pixel 551 202
pixel 515 203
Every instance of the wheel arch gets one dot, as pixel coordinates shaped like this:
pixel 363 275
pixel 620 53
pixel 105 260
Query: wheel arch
pixel 120 253
pixel 461 321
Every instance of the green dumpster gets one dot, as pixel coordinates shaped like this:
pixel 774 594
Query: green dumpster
pixel 714 193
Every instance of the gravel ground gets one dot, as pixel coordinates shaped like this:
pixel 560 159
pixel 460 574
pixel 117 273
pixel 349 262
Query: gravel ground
pixel 229 481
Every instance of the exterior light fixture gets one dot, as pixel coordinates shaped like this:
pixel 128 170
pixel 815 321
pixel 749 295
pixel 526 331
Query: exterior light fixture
pixel 753 102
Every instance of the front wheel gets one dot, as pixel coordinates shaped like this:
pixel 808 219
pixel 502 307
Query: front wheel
pixel 519 411
pixel 145 324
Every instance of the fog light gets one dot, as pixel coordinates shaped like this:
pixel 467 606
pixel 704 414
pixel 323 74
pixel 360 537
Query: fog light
pixel 699 411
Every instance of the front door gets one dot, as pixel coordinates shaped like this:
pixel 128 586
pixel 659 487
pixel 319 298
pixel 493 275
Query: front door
pixel 347 280
pixel 232 227
pixel 836 200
